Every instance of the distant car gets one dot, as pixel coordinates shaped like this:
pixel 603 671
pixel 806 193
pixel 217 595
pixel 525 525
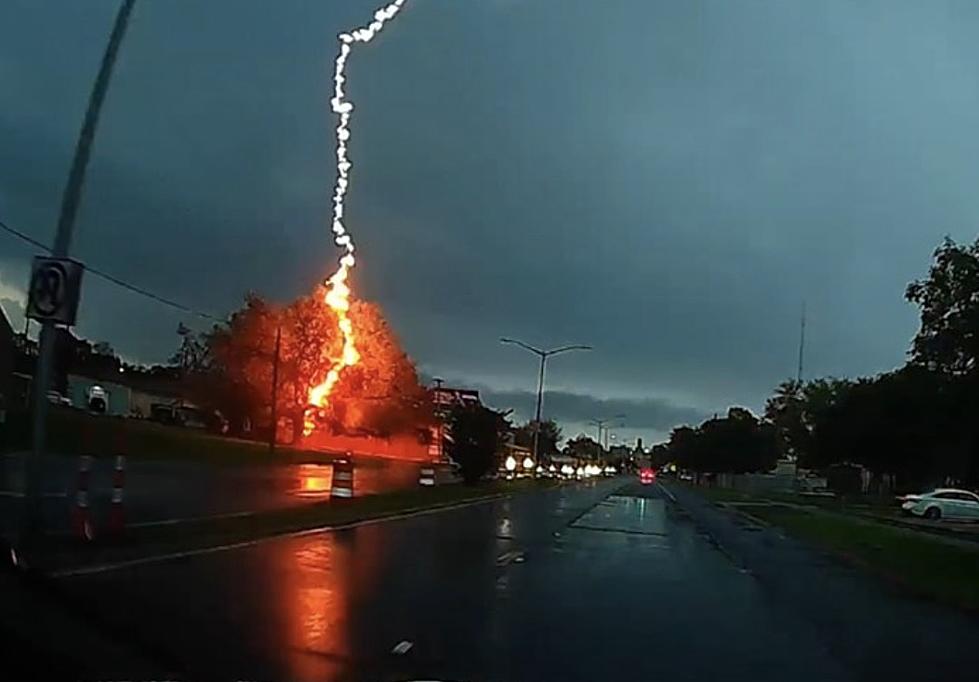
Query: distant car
pixel 56 398
pixel 944 503
pixel 647 475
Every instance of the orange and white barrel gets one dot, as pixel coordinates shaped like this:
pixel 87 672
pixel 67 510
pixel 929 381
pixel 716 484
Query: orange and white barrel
pixel 426 476
pixel 81 515
pixel 342 486
pixel 117 517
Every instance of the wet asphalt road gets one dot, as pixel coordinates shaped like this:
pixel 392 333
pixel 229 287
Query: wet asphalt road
pixel 161 491
pixel 572 583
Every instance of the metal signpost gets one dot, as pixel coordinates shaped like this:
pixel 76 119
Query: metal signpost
pixel 52 278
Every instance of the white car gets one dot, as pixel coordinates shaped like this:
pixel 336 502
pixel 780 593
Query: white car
pixel 56 398
pixel 944 503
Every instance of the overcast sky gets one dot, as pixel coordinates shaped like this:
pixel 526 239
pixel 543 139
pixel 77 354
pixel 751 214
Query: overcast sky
pixel 663 180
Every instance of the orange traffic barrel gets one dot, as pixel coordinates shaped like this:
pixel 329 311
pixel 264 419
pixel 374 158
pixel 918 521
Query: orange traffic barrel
pixel 426 476
pixel 342 486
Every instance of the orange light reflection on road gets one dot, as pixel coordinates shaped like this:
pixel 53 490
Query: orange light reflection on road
pixel 323 580
pixel 315 480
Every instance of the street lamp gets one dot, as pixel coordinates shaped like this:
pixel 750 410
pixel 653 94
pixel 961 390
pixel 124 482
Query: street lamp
pixel 543 355
pixel 601 424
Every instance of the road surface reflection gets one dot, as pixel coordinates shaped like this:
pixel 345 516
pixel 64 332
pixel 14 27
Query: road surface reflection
pixel 313 481
pixel 325 580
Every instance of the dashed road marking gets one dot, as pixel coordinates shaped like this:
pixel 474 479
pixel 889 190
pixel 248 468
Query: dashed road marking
pixel 402 647
pixel 512 556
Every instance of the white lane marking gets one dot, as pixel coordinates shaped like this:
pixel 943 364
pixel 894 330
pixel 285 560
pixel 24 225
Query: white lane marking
pixel 14 493
pixel 402 647
pixel 190 519
pixel 506 558
pixel 667 491
pixel 160 558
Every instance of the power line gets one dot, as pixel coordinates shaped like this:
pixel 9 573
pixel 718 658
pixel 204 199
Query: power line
pixel 25 237
pixel 115 280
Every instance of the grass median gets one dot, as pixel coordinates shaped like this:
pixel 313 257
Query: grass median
pixel 62 553
pixel 925 565
pixel 71 432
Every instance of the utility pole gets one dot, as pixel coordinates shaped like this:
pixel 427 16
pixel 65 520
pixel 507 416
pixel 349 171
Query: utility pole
pixel 802 343
pixel 601 424
pixel 543 354
pixel 439 416
pixel 540 403
pixel 275 390
pixel 62 244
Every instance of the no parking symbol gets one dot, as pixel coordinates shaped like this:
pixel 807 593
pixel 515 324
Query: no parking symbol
pixel 55 289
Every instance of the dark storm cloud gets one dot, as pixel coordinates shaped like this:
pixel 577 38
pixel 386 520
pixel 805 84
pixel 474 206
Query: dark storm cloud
pixel 665 181
pixel 641 414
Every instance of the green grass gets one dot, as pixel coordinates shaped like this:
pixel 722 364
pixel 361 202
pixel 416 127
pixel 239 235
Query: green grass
pixel 855 503
pixel 927 566
pixel 70 431
pixel 155 540
pixel 723 494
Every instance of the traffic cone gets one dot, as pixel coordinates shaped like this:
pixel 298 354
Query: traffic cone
pixel 81 519
pixel 117 518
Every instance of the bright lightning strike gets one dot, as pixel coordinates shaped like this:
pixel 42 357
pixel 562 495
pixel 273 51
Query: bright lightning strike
pixel 338 292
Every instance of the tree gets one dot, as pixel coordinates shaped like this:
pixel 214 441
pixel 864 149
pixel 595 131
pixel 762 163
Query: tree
pixel 380 395
pixel 948 339
pixel 550 435
pixel 908 424
pixel 583 447
pixel 475 438
pixel 786 410
pixel 659 455
pixel 738 443
pixel 796 408
pixel 103 348
pixel 193 354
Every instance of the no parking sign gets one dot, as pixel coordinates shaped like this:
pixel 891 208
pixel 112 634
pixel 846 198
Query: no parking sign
pixel 55 288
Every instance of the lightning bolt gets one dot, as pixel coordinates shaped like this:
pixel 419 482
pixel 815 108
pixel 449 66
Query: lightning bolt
pixel 338 291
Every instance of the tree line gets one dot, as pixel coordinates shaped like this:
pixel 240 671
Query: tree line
pixel 918 424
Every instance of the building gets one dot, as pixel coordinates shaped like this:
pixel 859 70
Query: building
pixel 8 353
pixel 122 399
pixel 444 400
